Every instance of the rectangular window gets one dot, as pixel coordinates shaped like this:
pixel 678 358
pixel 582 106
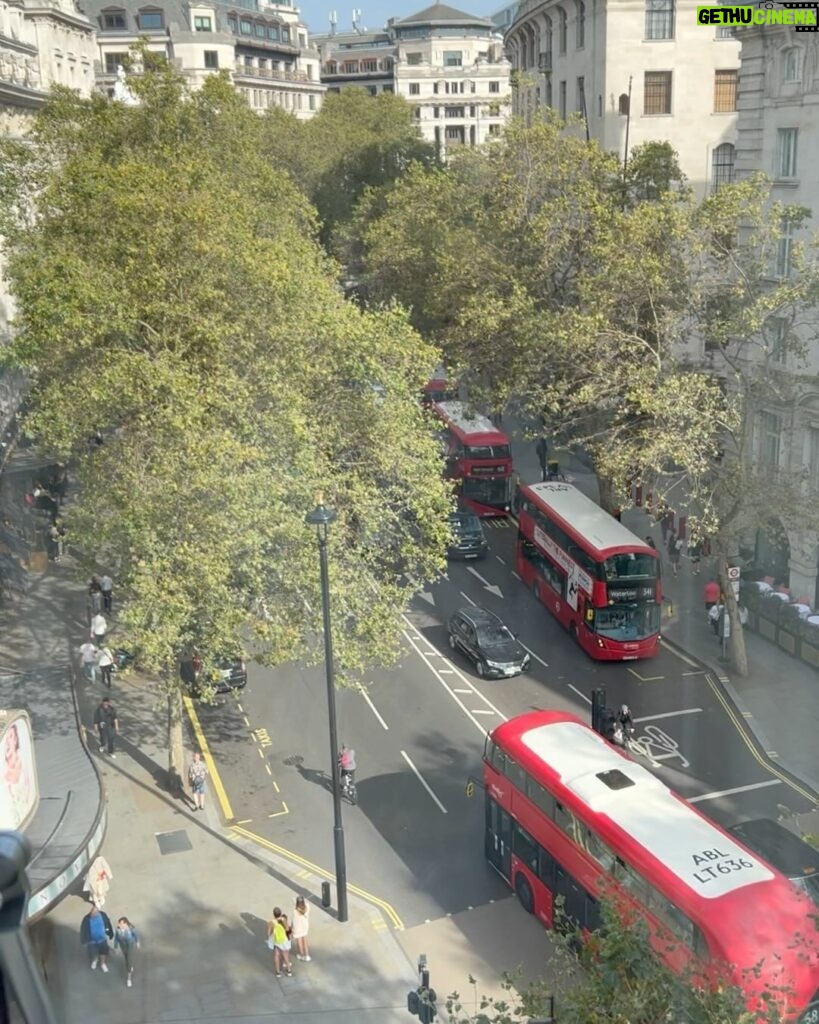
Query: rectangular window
pixel 453 58
pixel 562 100
pixel 784 248
pixel 261 31
pixel 455 112
pixel 350 67
pixel 657 92
pixel 580 24
pixel 435 113
pixel 202 24
pixel 725 91
pixel 113 20
pixel 311 102
pixel 776 336
pixel 494 129
pixel 659 19
pixel 211 59
pixel 418 113
pixel 414 59
pixel 770 433
pixel 233 25
pixel 302 40
pixel 285 34
pixel 493 86
pixel 150 19
pixel 787 139
pixel 562 30
pixel 415 88
pixel 246 26
pixel 813 457
pixel 113 60
pixel 273 32
pixel 581 95
pixel 369 65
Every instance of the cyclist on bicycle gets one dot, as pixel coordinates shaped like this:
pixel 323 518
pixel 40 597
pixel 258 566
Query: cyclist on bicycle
pixel 625 720
pixel 346 764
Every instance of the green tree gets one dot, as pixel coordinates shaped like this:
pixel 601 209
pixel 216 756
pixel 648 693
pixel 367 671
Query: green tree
pixel 172 293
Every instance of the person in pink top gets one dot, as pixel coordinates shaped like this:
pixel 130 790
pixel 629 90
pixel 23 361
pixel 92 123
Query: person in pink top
pixel 711 594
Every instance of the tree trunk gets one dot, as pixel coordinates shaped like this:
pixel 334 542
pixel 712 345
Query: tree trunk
pixel 737 652
pixel 176 751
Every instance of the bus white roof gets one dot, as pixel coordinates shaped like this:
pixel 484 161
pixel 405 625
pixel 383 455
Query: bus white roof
pixel 456 413
pixel 648 812
pixel 586 516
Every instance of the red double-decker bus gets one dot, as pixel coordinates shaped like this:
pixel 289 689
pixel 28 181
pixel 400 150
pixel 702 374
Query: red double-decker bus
pixel 569 815
pixel 479 457
pixel 593 574
pixel 439 388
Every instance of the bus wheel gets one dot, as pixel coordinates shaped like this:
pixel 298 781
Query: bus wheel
pixel 524 891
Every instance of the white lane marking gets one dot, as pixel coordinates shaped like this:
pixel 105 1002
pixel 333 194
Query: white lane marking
pixel 446 671
pixel 423 781
pixel 500 559
pixel 484 711
pixel 668 714
pixel 679 654
pixel 579 694
pixel 372 706
pixel 537 657
pixel 468 598
pixel 425 657
pixel 736 789
pixel 456 690
pixel 516 576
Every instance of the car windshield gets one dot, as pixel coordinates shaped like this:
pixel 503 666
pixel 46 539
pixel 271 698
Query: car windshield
pixel 465 522
pixel 492 636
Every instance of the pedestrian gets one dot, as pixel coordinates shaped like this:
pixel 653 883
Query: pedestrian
pixel 710 594
pixel 88 658
pixel 197 773
pixel 61 538
pixel 126 939
pixel 714 616
pixel 516 497
pixel 99 627
pixel 279 942
pixel 650 542
pixel 107 591
pixel 542 449
pixel 54 542
pixel 667 523
pixel 301 926
pixel 107 723
pixel 95 931
pixel 674 548
pixel 61 484
pixel 105 660
pixel 694 556
pixel 98 881
pixel 94 597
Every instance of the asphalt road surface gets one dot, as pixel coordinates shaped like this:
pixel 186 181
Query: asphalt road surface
pixel 416 838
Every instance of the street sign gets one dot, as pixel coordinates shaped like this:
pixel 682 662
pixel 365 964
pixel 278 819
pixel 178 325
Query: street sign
pixel 734 572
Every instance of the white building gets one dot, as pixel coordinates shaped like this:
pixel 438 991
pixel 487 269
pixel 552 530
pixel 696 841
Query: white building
pixel 777 134
pixel 42 43
pixel 588 56
pixel 448 65
pixel 264 46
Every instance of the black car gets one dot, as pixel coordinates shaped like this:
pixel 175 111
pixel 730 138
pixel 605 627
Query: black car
pixel 484 639
pixel 229 674
pixel 783 850
pixel 468 540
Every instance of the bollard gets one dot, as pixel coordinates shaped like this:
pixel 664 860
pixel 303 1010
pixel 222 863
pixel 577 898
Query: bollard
pixel 325 894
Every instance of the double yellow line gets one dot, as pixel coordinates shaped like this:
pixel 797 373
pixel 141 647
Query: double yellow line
pixel 230 818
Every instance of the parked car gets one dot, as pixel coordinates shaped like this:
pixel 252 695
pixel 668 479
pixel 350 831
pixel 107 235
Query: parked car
pixel 229 674
pixel 468 538
pixel 783 850
pixel 486 641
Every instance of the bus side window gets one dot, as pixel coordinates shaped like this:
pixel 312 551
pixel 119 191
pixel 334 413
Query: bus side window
pixel 701 946
pixel 546 868
pixel 632 881
pixel 489 750
pixel 499 760
pixel 540 797
pixel 515 774
pixel 564 819
pixel 524 847
pixel 673 919
pixel 601 853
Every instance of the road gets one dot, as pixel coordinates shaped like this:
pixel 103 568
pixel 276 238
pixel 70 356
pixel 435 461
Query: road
pixel 416 837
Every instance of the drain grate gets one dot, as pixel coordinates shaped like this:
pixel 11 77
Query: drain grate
pixel 173 842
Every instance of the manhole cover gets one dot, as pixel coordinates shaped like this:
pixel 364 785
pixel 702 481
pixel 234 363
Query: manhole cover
pixel 294 760
pixel 173 842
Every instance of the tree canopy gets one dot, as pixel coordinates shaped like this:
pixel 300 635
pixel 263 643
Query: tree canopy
pixel 172 294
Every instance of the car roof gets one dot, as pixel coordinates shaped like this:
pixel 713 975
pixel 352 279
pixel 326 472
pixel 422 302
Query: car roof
pixel 480 616
pixel 779 846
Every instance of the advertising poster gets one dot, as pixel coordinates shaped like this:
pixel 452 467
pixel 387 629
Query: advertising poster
pixel 18 775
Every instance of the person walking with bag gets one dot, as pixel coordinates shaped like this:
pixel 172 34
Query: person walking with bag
pixel 107 723
pixel 105 660
pixel 126 939
pixel 301 926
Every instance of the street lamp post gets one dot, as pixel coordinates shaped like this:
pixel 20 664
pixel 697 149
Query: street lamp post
pixel 321 518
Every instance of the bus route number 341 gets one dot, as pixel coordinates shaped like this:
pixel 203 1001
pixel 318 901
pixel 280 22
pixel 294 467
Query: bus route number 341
pixel 711 863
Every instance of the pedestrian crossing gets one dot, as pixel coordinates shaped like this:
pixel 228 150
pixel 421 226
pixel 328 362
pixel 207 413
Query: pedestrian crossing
pixel 498 523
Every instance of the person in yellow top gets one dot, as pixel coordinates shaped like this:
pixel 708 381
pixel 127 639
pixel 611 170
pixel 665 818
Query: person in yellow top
pixel 278 939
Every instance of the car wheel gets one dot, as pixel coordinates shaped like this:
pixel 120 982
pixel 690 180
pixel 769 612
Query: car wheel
pixel 452 642
pixel 524 893
pixel 480 668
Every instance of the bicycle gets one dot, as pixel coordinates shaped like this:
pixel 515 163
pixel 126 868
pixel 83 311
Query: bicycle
pixel 348 789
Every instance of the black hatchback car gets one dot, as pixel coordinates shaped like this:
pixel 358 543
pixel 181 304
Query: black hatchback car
pixel 468 539
pixel 483 638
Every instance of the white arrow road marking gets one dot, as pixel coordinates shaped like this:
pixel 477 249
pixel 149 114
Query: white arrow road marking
pixel 425 594
pixel 487 586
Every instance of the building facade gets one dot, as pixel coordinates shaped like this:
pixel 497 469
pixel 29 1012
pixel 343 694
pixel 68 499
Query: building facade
pixel 264 46
pixel 642 69
pixel 778 114
pixel 448 65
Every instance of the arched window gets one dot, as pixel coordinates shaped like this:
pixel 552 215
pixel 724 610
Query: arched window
pixel 722 166
pixel 580 25
pixel 547 38
pixel 789 64
pixel 562 30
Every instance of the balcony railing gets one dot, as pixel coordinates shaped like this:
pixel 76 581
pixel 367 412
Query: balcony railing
pixel 247 71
